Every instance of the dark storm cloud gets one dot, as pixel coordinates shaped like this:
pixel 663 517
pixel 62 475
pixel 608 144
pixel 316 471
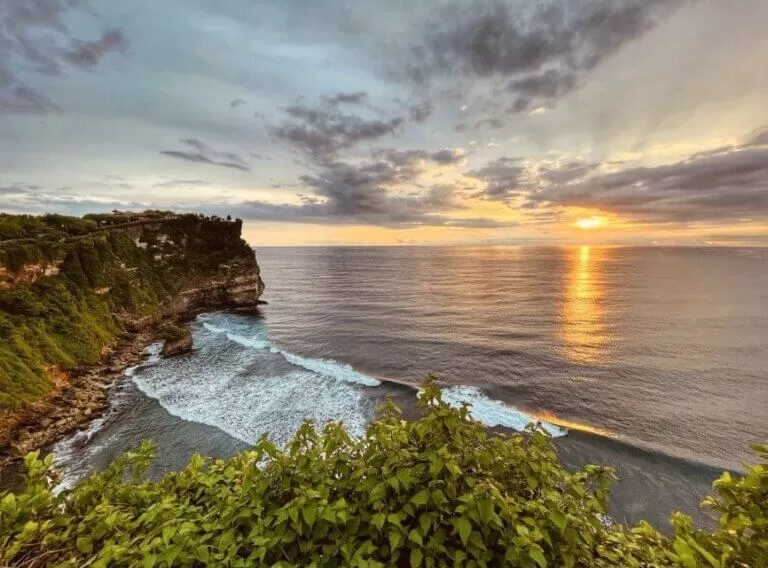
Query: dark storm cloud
pixel 200 152
pixel 324 131
pixel 540 51
pixel 724 184
pixel 34 36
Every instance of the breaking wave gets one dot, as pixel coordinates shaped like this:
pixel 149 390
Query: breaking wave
pixel 493 413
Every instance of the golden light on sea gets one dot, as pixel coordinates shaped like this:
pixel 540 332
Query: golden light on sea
pixel 552 418
pixel 582 319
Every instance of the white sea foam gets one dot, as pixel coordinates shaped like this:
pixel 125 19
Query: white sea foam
pixel 214 328
pixel 332 369
pixel 65 449
pixel 248 407
pixel 324 367
pixel 494 412
pixel 250 392
pixel 154 354
pixel 253 342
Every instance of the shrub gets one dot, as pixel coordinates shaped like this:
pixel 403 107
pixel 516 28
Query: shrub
pixel 438 491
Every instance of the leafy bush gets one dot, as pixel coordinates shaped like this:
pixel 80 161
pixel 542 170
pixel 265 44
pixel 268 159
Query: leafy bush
pixel 439 491
pixel 45 226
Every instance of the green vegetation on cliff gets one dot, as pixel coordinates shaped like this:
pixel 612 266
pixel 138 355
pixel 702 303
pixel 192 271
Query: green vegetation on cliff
pixel 69 290
pixel 439 491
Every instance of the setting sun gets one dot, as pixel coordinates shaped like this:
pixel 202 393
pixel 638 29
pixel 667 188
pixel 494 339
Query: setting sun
pixel 591 223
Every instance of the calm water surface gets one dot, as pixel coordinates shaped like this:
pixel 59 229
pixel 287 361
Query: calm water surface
pixel 655 360
pixel 665 348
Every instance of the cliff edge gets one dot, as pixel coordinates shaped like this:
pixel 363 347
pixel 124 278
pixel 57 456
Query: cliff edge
pixel 80 296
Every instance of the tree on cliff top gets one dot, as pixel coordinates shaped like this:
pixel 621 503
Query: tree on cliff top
pixel 439 491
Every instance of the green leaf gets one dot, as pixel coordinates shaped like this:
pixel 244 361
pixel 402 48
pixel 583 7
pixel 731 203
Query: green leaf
pixel 309 513
pixel 8 504
pixel 707 555
pixel 85 544
pixel 415 536
pixel 465 529
pixel 485 507
pixel 416 557
pixel 537 555
pixel 378 520
pixel 685 555
pixel 558 519
pixel 425 520
pixel 168 534
pixel 395 540
pixel 420 498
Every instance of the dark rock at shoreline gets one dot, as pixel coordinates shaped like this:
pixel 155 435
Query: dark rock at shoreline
pixel 178 346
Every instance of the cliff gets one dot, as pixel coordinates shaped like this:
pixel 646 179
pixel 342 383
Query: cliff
pixel 72 289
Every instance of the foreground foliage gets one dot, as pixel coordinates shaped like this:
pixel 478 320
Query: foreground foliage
pixel 439 491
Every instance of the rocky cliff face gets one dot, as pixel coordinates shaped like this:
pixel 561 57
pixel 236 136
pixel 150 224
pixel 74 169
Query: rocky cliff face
pixel 67 302
pixel 205 262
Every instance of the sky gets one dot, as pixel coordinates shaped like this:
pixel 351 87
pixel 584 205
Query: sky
pixel 333 122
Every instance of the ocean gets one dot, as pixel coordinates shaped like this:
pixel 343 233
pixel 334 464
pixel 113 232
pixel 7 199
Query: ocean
pixel 651 360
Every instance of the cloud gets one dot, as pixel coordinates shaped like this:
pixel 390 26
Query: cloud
pixel 18 189
pixel 87 54
pixel 319 213
pixel 236 103
pixel 202 153
pixel 35 38
pixel 383 192
pixel 357 98
pixel 363 190
pixel 324 131
pixel 540 52
pixel 503 177
pixel 724 184
pixel 15 97
pixel 758 137
pixel 420 112
pixel 183 183
pixel 411 158
pixel 33 199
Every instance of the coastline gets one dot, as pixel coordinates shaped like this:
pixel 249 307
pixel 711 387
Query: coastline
pixel 79 398
pixel 650 486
